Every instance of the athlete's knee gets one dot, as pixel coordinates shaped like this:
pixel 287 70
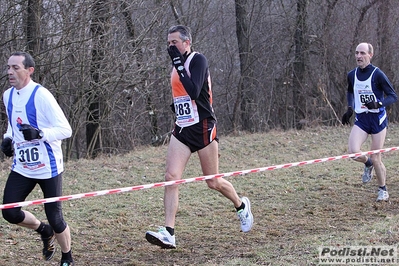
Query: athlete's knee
pixel 361 158
pixel 353 150
pixel 55 217
pixel 171 177
pixel 357 159
pixel 377 162
pixel 375 157
pixel 59 227
pixel 213 184
pixel 58 224
pixel 13 215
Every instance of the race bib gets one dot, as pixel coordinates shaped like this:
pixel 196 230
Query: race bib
pixel 28 155
pixel 365 95
pixel 184 111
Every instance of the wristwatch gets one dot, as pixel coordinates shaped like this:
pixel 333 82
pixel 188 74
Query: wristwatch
pixel 41 134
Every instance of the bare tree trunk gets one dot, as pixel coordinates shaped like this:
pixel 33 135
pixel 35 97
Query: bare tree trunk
pixel 98 28
pixel 143 72
pixel 360 23
pixel 33 34
pixel 244 103
pixel 384 33
pixel 95 54
pixel 299 99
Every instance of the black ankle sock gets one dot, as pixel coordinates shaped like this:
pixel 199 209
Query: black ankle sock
pixel 241 207
pixel 45 230
pixel 383 188
pixel 369 162
pixel 67 256
pixel 170 230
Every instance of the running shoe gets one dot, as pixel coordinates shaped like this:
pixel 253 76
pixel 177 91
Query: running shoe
pixel 66 263
pixel 367 174
pixel 382 195
pixel 48 247
pixel 245 216
pixel 161 238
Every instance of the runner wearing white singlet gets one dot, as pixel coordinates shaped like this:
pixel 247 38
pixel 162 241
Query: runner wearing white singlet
pixel 369 92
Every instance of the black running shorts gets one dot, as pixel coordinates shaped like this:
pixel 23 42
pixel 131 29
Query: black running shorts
pixel 197 136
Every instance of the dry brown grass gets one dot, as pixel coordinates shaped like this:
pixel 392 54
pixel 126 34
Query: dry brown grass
pixel 296 210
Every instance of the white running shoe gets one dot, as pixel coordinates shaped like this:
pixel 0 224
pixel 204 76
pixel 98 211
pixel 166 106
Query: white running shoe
pixel 161 238
pixel 245 216
pixel 367 174
pixel 382 195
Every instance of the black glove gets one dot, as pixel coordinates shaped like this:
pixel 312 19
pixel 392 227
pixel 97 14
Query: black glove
pixel 177 60
pixel 7 147
pixel 172 107
pixel 373 105
pixel 30 132
pixel 347 116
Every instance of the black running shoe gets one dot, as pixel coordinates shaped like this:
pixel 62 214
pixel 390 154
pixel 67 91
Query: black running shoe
pixel 48 247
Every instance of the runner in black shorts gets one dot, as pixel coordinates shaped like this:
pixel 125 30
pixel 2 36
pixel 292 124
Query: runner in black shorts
pixel 189 136
pixel 195 131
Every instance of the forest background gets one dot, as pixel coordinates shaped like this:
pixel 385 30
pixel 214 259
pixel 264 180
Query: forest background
pixel 278 64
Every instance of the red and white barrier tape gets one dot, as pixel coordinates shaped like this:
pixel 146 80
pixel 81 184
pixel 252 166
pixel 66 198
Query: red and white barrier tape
pixel 182 181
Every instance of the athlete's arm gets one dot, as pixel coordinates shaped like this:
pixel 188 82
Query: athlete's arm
pixel 55 126
pixel 385 85
pixel 199 71
pixel 8 133
pixel 349 93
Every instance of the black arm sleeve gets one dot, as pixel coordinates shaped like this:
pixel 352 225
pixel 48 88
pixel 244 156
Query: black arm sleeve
pixel 199 73
pixel 349 93
pixel 387 87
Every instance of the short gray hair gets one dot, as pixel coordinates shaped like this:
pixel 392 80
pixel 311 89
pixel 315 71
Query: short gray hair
pixel 28 61
pixel 185 32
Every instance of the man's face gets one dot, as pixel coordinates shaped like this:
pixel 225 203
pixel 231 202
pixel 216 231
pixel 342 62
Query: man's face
pixel 363 57
pixel 174 39
pixel 18 75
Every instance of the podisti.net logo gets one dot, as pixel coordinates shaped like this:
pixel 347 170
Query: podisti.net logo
pixel 350 255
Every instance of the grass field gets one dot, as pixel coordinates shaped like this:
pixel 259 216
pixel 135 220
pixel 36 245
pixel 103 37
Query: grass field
pixel 296 210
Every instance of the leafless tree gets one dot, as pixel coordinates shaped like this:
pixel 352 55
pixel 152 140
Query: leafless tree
pixel 274 64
